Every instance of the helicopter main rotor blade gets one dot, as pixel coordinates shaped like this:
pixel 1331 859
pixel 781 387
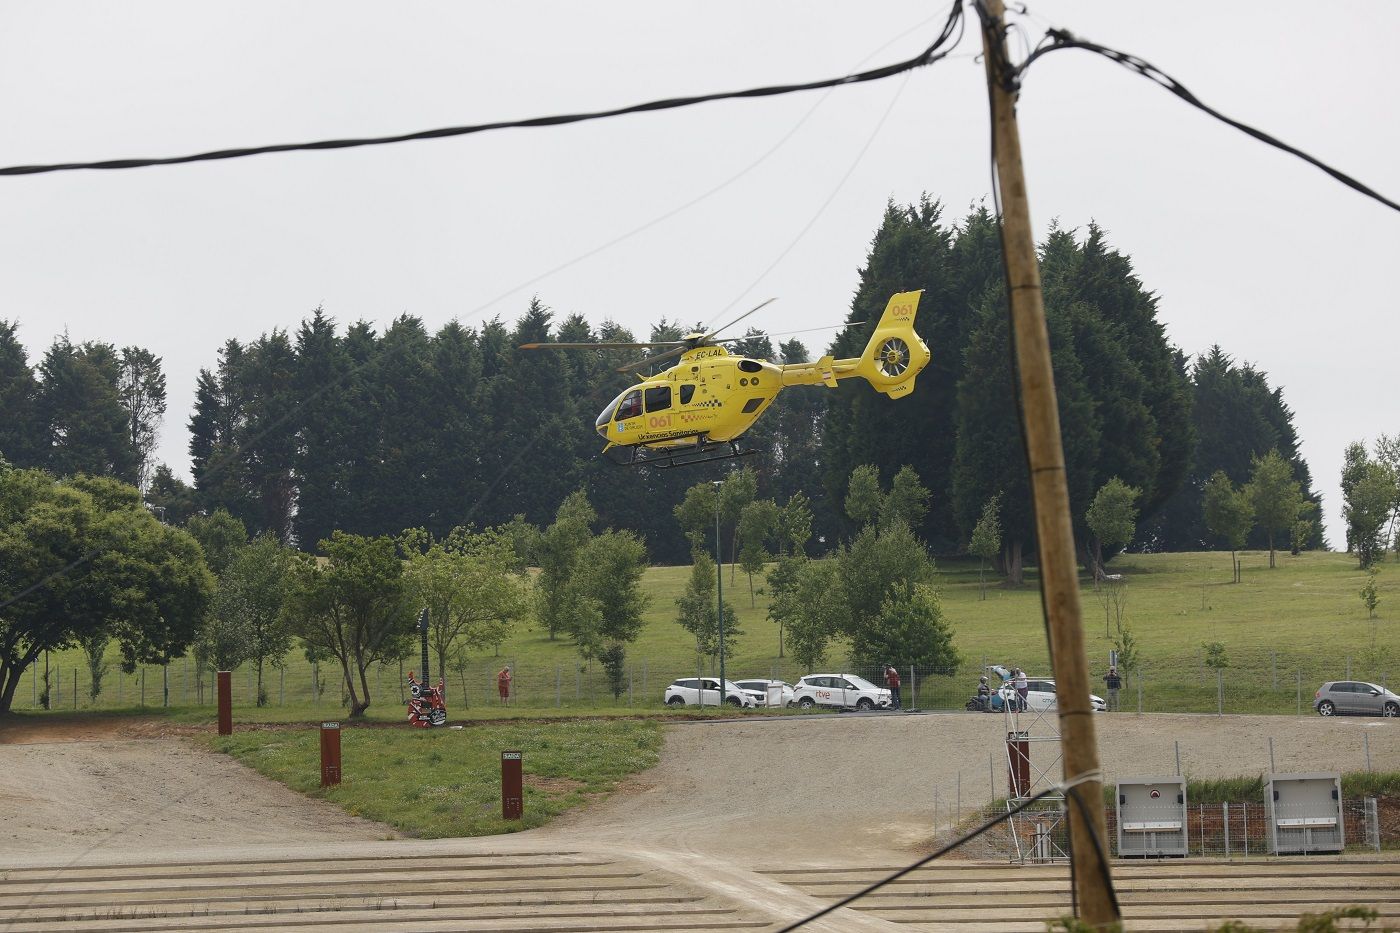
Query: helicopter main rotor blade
pixel 552 345
pixel 641 364
pixel 739 318
pixel 789 333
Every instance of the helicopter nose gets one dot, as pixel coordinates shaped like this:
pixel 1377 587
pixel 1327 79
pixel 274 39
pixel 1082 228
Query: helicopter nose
pixel 603 430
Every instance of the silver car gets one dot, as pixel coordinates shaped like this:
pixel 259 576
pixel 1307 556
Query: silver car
pixel 1355 697
pixel 760 691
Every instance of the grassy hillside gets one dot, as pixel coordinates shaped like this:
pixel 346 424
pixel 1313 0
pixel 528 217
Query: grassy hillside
pixel 1284 631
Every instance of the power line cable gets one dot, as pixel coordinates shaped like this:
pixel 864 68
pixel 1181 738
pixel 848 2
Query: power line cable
pixel 703 196
pixel 1060 39
pixel 926 57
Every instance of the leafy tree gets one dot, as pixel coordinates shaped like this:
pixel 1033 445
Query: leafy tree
pixel 172 500
pixel 1216 657
pixel 986 539
pixel 759 521
pixel 141 389
pixel 472 587
pixel 352 608
pixel 864 499
pixel 1370 595
pixel 558 553
pixel 735 493
pixel 783 580
pixel 82 557
pixel 251 592
pixel 874 566
pixel 907 500
pixel 696 610
pixel 220 536
pixel 1229 514
pixel 1368 495
pixel 609 581
pixel 819 613
pixel 614 661
pixel 1129 653
pixel 696 514
pixel 94 645
pixel 1112 521
pixel 910 628
pixel 795 525
pixel 1276 496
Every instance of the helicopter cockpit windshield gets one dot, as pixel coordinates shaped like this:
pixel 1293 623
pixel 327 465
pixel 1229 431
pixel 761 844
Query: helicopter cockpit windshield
pixel 627 405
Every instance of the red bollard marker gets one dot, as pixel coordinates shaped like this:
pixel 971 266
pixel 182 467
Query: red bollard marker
pixel 330 753
pixel 225 703
pixel 512 786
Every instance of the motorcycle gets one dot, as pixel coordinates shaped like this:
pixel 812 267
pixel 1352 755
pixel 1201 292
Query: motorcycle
pixel 982 703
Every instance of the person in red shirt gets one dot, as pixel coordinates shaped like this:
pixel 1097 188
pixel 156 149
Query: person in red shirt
pixel 892 681
pixel 503 684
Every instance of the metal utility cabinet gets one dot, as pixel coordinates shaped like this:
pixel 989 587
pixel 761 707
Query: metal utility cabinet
pixel 1152 817
pixel 1305 813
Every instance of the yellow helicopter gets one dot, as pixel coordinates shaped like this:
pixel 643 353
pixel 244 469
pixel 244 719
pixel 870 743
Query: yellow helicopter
pixel 695 411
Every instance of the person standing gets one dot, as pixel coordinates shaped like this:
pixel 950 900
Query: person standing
pixel 892 681
pixel 1022 688
pixel 503 684
pixel 1114 683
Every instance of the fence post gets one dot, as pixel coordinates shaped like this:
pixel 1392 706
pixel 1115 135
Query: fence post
pixel 1366 743
pixel 282 685
pixel 1373 821
pixel 644 675
pixel 558 687
pixel 143 688
pixel 1201 815
pixel 75 692
pixel 1225 818
pixel 629 685
pixel 1300 693
pixel 1219 692
pixel 578 684
pixel 992 775
pixel 1272 768
pixel 1245 807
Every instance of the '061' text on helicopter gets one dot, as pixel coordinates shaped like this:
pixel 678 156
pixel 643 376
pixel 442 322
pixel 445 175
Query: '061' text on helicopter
pixel 695 411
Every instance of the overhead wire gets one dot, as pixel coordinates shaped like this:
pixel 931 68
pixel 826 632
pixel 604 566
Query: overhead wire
pixel 926 57
pixel 705 195
pixel 1062 39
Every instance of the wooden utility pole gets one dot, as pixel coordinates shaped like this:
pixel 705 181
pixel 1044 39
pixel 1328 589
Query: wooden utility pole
pixel 1059 575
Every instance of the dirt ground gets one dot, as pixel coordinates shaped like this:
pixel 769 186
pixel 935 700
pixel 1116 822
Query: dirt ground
pixel 117 784
pixel 861 787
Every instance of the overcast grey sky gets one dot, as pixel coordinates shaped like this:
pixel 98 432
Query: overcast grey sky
pixel 1246 246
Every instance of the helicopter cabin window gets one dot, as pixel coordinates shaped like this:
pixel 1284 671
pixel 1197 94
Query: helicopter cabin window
pixel 630 406
pixel 687 391
pixel 750 366
pixel 751 405
pixel 658 398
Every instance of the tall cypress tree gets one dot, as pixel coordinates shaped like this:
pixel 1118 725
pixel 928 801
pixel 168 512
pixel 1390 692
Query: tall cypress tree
pixel 79 406
pixel 21 434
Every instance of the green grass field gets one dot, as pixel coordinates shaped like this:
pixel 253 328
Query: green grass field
pixel 1284 630
pixel 433 783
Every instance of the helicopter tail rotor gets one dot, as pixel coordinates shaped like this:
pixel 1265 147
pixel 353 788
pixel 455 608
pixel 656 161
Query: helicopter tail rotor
pixel 895 354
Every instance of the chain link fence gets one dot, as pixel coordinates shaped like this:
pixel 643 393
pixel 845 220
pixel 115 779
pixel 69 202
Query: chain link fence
pixel 1258 681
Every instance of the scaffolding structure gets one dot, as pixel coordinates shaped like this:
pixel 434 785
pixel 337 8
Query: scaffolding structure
pixel 1038 831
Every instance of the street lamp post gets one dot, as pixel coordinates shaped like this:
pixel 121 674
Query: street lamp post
pixel 719 608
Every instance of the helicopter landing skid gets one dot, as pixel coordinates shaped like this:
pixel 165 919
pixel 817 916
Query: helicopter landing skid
pixel 703 452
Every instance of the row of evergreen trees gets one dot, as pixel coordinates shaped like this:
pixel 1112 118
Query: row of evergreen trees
pixel 300 433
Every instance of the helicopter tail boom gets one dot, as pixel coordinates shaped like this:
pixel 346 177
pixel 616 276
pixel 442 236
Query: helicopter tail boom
pixel 893 356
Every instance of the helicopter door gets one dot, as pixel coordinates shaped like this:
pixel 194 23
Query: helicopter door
pixel 658 399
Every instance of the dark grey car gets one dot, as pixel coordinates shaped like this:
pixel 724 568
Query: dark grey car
pixel 1355 697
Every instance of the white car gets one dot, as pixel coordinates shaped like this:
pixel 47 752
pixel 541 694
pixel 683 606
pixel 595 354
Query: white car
pixel 1040 695
pixel 690 691
pixel 845 691
pixel 759 690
